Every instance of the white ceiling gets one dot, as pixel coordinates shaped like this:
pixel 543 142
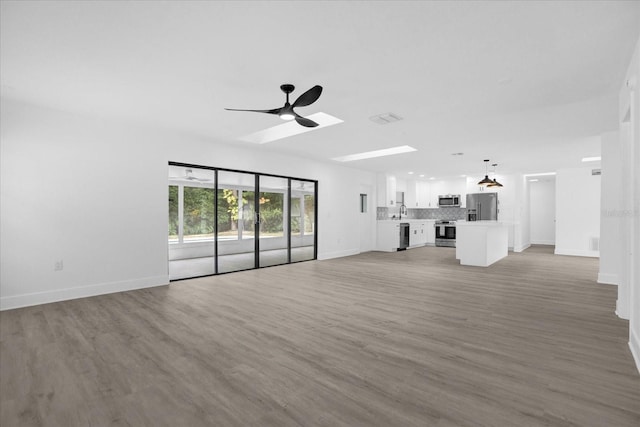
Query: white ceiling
pixel 529 85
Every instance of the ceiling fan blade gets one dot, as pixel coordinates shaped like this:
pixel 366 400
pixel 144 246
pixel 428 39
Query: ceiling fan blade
pixel 274 111
pixel 309 97
pixel 303 121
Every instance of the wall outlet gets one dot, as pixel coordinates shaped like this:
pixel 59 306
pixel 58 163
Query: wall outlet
pixel 58 265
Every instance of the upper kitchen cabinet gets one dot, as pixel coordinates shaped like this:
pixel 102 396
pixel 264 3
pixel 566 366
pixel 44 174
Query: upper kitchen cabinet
pixel 417 194
pixel 387 187
pixel 436 188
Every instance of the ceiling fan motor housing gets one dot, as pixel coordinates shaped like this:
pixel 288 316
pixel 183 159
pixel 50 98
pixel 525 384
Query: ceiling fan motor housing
pixel 287 88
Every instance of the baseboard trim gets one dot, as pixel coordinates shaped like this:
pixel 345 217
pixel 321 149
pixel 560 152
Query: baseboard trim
pixel 37 298
pixel 338 254
pixel 520 248
pixel 572 252
pixel 634 345
pixel 544 242
pixel 608 279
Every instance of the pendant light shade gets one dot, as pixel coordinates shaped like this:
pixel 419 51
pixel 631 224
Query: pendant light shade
pixel 494 182
pixel 486 181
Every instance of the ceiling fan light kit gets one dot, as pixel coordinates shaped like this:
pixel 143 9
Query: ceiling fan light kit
pixel 286 112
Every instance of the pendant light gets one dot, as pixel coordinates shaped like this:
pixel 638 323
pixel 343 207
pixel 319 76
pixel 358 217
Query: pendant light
pixel 486 181
pixel 495 182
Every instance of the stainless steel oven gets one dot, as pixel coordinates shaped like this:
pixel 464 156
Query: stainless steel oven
pixel 445 233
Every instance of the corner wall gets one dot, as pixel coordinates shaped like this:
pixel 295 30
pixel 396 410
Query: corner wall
pixel 92 193
pixel 577 212
pixel 629 274
pixel 611 205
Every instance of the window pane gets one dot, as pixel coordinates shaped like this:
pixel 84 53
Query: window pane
pixel 248 214
pixel 295 215
pixel 173 214
pixel 309 214
pixel 271 214
pixel 199 219
pixel 228 212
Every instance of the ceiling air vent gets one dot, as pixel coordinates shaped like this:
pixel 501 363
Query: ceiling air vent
pixel 384 119
pixel 596 171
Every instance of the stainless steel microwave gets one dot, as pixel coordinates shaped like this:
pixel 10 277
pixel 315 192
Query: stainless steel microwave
pixel 449 201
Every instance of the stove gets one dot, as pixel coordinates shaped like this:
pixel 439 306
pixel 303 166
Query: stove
pixel 445 233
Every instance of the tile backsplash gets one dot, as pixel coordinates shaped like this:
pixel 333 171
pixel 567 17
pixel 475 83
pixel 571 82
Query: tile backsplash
pixel 432 213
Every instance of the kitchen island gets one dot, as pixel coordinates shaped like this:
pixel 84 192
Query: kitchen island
pixel 481 243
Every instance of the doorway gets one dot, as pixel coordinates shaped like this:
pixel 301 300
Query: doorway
pixel 542 202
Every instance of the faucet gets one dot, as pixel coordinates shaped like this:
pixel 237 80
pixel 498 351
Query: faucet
pixel 403 210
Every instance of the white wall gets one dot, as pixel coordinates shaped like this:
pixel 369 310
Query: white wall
pixel 93 193
pixel 577 211
pixel 542 202
pixel 611 199
pixel 628 305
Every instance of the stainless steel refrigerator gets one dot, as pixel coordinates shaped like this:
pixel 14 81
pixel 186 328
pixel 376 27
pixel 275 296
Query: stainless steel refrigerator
pixel 482 206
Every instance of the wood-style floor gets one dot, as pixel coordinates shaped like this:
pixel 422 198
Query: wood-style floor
pixel 379 339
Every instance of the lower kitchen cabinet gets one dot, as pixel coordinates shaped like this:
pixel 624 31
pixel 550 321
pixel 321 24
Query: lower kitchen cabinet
pixel 388 236
pixel 430 232
pixel 421 233
pixel 417 233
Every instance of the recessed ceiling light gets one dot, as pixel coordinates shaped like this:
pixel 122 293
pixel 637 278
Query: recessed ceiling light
pixel 533 180
pixel 421 175
pixel 592 159
pixel 285 130
pixel 540 174
pixel 377 153
pixel 432 177
pixel 410 173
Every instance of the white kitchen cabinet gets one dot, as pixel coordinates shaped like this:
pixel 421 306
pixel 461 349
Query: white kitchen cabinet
pixel 388 238
pixel 387 187
pixel 430 232
pixel 410 195
pixel 458 186
pixel 436 188
pixel 422 194
pixel 417 236
pixel 417 194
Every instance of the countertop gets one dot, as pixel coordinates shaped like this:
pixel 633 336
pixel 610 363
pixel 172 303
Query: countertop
pixel 412 220
pixel 480 223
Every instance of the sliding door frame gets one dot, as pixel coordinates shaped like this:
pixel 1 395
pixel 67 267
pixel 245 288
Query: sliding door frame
pixel 256 202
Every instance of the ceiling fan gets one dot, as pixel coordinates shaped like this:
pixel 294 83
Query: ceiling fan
pixel 188 175
pixel 286 112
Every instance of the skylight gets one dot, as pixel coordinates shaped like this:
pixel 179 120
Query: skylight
pixel 540 174
pixel 377 153
pixel 287 129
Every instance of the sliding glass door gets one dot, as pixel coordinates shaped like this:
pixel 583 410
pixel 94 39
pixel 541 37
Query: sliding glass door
pixel 222 221
pixel 303 220
pixel 236 221
pixel 192 222
pixel 273 205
